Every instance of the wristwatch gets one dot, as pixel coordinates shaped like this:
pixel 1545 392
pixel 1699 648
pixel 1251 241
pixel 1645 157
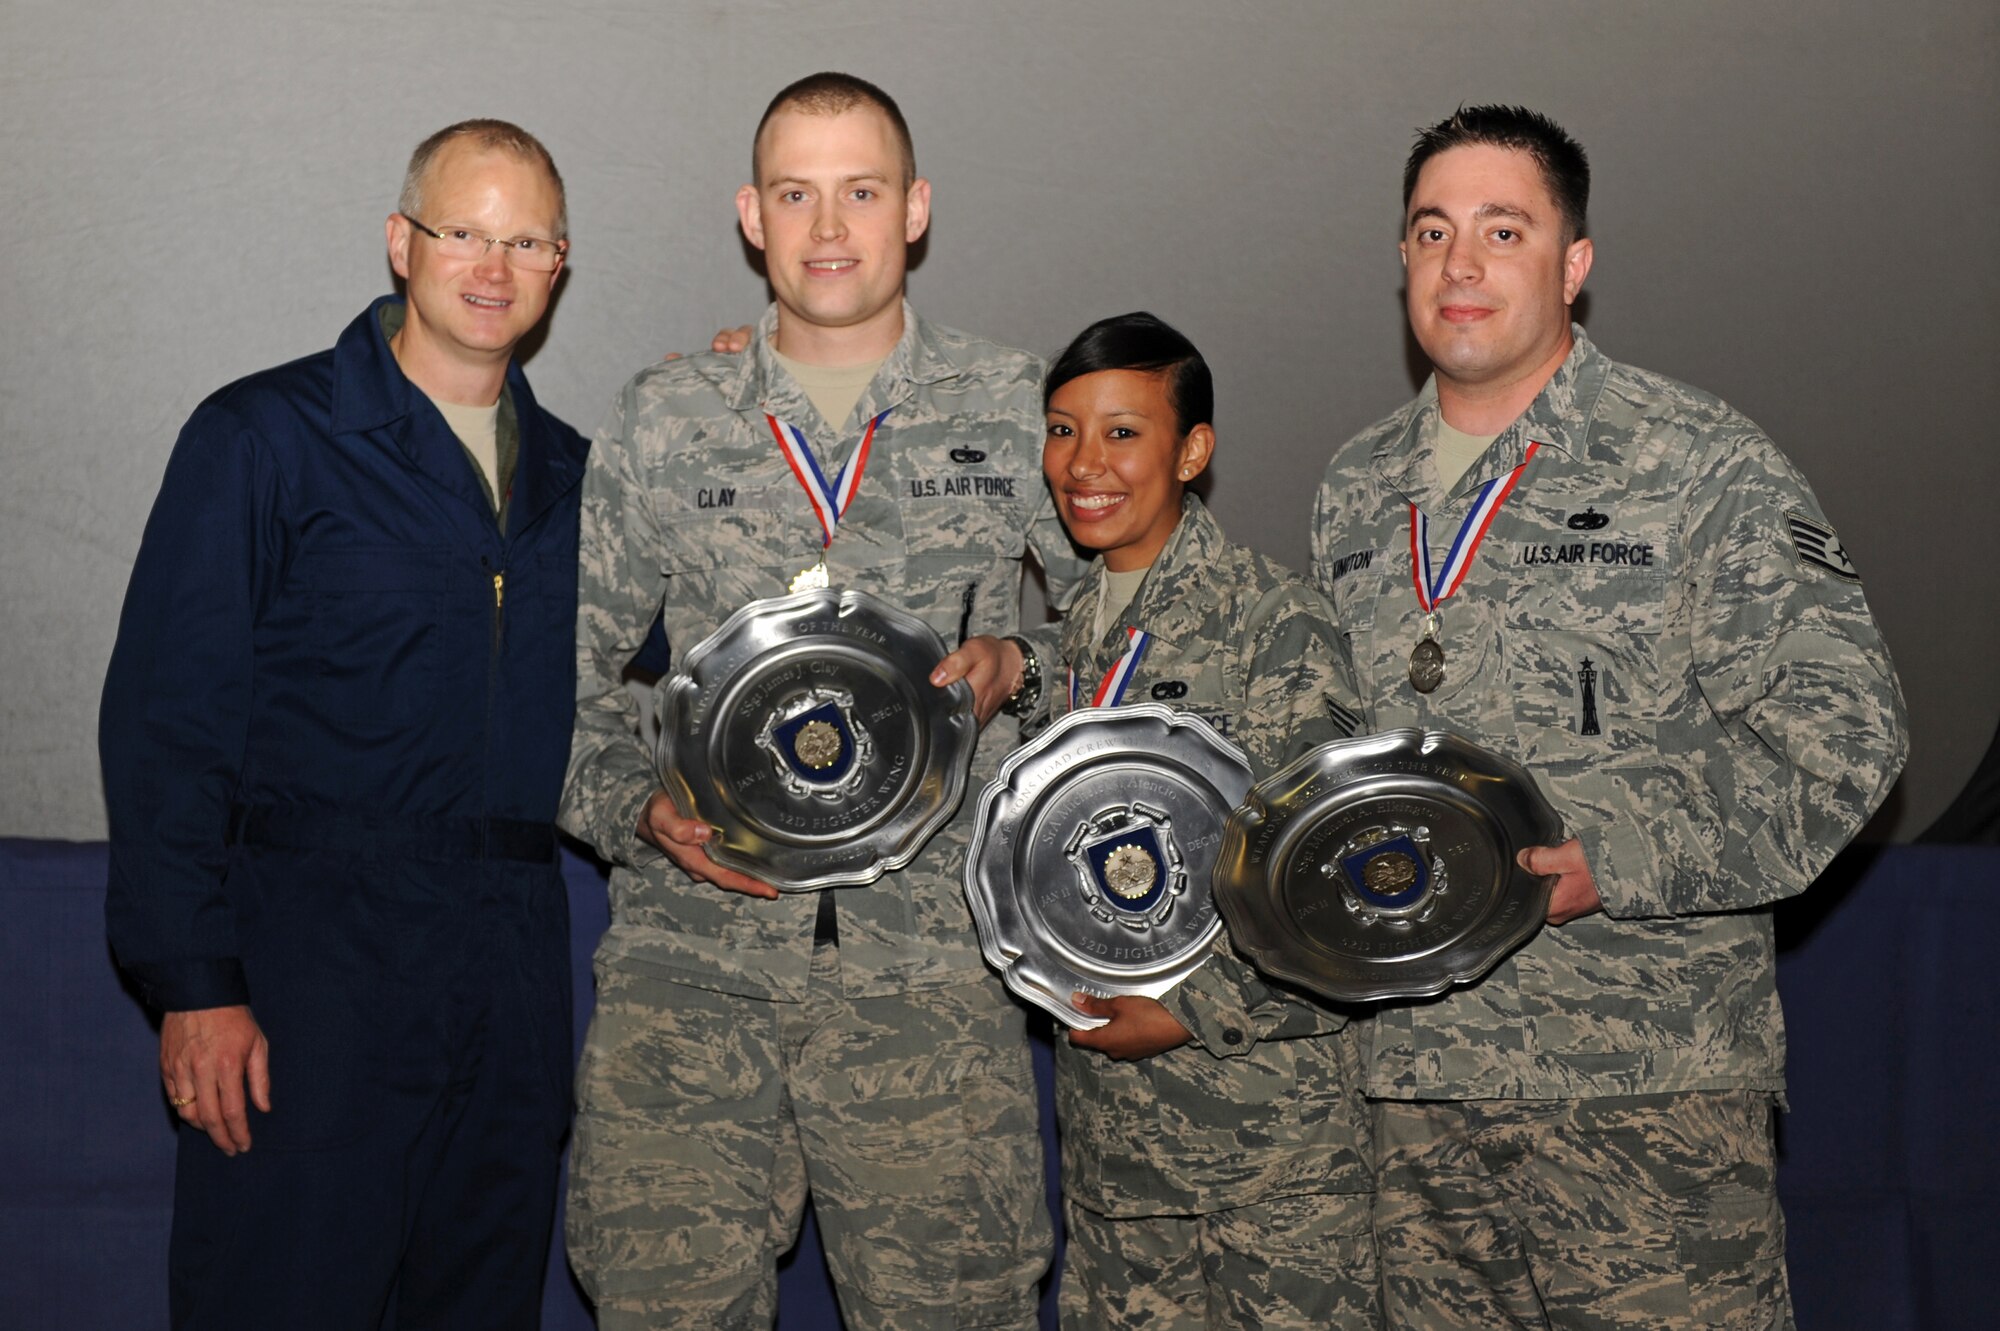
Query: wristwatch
pixel 1021 702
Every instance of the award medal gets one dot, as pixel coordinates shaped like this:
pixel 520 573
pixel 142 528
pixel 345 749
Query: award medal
pixel 1111 689
pixel 1436 586
pixel 829 502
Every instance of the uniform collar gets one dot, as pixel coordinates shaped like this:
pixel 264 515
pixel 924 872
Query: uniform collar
pixel 370 389
pixel 371 392
pixel 1558 418
pixel 757 382
pixel 1171 603
pixel 551 460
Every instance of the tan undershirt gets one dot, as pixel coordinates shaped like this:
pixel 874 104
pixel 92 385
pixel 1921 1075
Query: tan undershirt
pixel 1457 451
pixel 478 428
pixel 834 389
pixel 1114 594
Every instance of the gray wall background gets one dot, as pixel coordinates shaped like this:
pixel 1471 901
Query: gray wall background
pixel 1794 208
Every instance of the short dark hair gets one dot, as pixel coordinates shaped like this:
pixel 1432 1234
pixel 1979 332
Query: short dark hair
pixel 828 94
pixel 492 136
pixel 1144 342
pixel 1565 169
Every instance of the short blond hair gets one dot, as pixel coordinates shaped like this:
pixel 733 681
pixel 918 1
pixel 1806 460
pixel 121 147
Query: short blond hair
pixel 491 136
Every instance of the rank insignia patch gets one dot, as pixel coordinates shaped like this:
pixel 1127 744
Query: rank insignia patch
pixel 1817 545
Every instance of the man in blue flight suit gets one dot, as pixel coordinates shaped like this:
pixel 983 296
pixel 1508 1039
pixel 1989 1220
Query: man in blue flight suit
pixel 333 736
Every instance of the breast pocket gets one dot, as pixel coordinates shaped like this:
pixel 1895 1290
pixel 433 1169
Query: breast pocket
pixel 734 557
pixel 966 531
pixel 1584 652
pixel 1356 594
pixel 377 627
pixel 541 614
pixel 959 560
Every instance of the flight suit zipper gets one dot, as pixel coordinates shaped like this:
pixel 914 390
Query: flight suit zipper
pixel 499 579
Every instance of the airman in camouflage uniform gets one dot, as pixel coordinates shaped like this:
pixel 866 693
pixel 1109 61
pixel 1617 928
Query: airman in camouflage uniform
pixel 1237 1163
pixel 1662 626
pixel 1215 1148
pixel 743 1053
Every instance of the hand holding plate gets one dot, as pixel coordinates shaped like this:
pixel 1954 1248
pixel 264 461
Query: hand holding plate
pixel 1575 892
pixel 989 665
pixel 1134 1026
pixel 685 841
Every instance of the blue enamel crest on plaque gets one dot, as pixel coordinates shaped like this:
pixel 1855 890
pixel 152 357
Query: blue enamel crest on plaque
pixel 818 748
pixel 1129 868
pixel 817 744
pixel 1127 864
pixel 1390 874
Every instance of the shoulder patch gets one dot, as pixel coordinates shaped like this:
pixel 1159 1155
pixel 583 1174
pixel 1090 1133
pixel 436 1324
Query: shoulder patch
pixel 1816 544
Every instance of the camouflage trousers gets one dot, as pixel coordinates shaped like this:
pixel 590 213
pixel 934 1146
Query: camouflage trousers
pixel 705 1118
pixel 1632 1211
pixel 1288 1264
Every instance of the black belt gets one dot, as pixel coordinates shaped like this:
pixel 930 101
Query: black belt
pixel 429 838
pixel 826 925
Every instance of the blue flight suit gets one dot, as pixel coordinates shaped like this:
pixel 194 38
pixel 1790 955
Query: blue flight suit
pixel 333 736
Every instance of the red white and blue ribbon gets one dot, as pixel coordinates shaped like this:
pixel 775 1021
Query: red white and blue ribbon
pixel 1436 585
pixel 829 502
pixel 1111 689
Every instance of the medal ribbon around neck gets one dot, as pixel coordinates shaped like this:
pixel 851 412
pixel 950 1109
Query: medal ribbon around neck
pixel 1111 689
pixel 829 502
pixel 1435 587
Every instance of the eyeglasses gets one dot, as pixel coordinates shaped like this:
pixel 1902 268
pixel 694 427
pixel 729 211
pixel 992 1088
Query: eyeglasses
pixel 530 253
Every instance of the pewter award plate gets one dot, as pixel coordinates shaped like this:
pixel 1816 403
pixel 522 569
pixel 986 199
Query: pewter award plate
pixel 807 732
pixel 1092 850
pixel 1383 866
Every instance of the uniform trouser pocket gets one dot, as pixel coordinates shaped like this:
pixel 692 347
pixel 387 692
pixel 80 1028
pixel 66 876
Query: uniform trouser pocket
pixel 917 1114
pixel 702 1115
pixel 685 1181
pixel 1296 1263
pixel 1640 1211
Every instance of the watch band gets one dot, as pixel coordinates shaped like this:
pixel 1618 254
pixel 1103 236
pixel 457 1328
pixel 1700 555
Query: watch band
pixel 1028 693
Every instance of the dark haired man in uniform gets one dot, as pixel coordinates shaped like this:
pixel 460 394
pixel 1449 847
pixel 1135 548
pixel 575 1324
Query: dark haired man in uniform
pixel 1662 626
pixel 333 737
pixel 748 1047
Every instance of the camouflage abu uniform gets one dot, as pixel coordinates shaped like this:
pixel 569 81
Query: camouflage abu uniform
pixel 1225 1182
pixel 730 1058
pixel 1663 628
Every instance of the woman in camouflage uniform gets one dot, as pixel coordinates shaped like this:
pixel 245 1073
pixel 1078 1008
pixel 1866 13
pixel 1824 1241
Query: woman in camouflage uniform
pixel 1214 1143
